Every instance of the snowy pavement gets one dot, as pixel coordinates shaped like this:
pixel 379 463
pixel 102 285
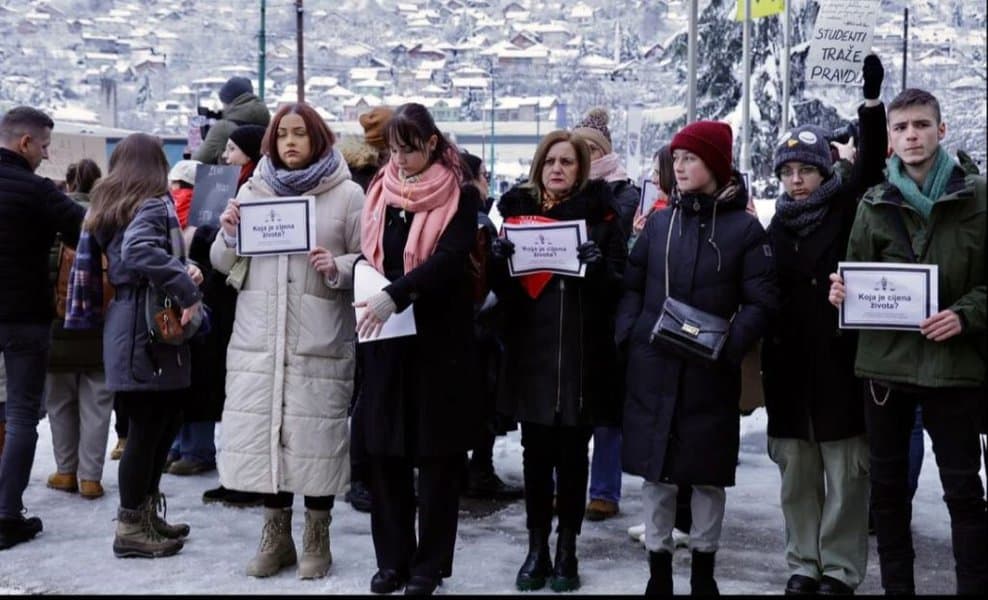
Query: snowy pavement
pixel 73 554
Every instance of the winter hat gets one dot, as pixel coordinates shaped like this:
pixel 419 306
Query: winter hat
pixel 184 170
pixel 234 87
pixel 593 127
pixel 806 144
pixel 713 142
pixel 373 123
pixel 248 139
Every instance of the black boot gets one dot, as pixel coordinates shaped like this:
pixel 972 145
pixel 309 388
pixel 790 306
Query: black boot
pixel 702 574
pixel 660 574
pixel 565 577
pixel 537 566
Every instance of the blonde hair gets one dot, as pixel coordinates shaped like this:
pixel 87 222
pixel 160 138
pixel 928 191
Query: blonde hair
pixel 538 161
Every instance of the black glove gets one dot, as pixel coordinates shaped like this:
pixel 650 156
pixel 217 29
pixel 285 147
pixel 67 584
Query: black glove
pixel 502 248
pixel 873 73
pixel 589 252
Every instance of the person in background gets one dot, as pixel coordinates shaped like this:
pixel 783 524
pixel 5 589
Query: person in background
pixel 559 353
pixel 240 107
pixel 605 467
pixel 181 187
pixel 32 211
pixel 481 479
pixel 208 393
pixel 418 407
pixel 928 211
pixel 76 398
pixel 365 157
pixel 133 220
pixel 681 411
pixel 289 364
pixel 816 431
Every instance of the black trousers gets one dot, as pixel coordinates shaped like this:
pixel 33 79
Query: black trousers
pixel 286 499
pixel 393 511
pixel 951 416
pixel 154 420
pixel 565 452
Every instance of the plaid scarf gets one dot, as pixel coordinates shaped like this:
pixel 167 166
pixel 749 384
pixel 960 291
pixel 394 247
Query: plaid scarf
pixel 84 304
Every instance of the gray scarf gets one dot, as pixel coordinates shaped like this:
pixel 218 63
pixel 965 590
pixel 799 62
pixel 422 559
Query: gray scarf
pixel 294 182
pixel 803 217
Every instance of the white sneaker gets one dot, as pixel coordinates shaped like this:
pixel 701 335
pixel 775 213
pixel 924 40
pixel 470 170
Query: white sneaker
pixel 680 539
pixel 636 531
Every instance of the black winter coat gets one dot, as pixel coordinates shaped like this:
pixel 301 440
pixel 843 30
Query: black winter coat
pixel 811 392
pixel 681 414
pixel 627 196
pixel 421 394
pixel 32 211
pixel 560 360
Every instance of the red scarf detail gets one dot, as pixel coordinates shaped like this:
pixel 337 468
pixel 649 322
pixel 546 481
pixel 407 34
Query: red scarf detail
pixel 533 283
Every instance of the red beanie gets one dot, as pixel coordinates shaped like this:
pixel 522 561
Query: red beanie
pixel 713 142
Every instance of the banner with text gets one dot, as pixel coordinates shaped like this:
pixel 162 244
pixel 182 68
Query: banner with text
pixel 840 41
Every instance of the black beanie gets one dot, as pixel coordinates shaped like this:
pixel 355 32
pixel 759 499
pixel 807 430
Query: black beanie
pixel 248 139
pixel 234 87
pixel 806 144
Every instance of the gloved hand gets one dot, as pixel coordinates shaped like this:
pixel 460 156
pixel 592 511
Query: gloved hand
pixel 381 306
pixel 873 73
pixel 502 248
pixel 589 252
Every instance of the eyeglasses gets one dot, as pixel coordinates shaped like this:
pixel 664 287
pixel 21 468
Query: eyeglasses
pixel 804 171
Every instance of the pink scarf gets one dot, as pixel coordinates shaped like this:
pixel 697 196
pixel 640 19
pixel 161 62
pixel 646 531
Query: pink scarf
pixel 608 168
pixel 432 197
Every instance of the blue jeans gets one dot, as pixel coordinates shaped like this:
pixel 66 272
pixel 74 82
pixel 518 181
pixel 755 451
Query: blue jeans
pixel 196 441
pixel 605 470
pixel 25 353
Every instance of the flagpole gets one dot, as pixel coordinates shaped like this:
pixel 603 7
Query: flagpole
pixel 786 25
pixel 746 99
pixel 691 54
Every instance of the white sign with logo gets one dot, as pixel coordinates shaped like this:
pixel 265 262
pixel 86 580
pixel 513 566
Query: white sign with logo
pixel 840 41
pixel 546 247
pixel 276 226
pixel 887 295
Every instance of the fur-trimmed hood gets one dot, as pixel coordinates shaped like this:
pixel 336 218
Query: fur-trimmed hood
pixel 356 152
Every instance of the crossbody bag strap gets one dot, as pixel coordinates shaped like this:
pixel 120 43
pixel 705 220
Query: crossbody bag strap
pixel 672 222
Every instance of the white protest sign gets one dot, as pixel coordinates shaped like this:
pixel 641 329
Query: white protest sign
pixel 67 148
pixel 841 39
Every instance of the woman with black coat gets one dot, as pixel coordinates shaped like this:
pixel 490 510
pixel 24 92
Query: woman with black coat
pixel 559 350
pixel 418 405
pixel 681 412
pixel 816 429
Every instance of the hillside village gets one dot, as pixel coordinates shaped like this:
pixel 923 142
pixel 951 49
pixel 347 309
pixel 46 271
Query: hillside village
pixel 147 64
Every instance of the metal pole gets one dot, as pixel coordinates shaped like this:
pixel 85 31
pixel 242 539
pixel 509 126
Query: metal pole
pixel 746 99
pixel 261 52
pixel 691 54
pixel 786 27
pixel 490 171
pixel 299 12
pixel 905 44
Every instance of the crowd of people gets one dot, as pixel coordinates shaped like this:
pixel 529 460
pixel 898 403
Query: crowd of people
pixel 114 301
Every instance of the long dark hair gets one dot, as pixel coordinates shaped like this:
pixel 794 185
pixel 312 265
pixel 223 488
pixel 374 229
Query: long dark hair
pixel 321 137
pixel 413 125
pixel 138 171
pixel 81 176
pixel 667 176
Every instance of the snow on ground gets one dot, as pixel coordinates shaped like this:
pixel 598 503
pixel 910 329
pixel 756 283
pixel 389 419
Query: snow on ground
pixel 73 554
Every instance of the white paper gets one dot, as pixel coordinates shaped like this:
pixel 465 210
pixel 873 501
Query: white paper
pixel 367 282
pixel 840 41
pixel 887 295
pixel 546 247
pixel 280 225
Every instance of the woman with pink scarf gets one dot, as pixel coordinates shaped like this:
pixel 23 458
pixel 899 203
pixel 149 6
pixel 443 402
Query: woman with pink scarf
pixel 417 407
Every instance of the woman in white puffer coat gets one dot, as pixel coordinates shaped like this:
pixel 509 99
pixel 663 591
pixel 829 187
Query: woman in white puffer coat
pixel 290 360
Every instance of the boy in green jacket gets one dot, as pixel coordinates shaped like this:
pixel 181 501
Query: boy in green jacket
pixel 928 211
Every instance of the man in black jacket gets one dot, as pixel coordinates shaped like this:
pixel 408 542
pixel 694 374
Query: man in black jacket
pixel 32 210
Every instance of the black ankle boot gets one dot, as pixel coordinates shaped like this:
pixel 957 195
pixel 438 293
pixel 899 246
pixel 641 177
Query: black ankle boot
pixel 660 574
pixel 537 566
pixel 702 574
pixel 565 577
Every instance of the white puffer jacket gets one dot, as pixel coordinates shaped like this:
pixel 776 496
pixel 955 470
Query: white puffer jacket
pixel 290 361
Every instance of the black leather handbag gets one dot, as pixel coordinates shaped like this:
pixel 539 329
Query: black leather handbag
pixel 696 332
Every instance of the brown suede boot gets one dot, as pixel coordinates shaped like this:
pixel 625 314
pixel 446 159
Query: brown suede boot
pixel 277 548
pixel 316 556
pixel 169 530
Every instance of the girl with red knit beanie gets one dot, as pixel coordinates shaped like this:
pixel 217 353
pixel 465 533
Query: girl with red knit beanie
pixel 681 411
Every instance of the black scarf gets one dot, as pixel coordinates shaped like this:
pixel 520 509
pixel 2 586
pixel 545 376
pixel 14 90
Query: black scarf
pixel 803 217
